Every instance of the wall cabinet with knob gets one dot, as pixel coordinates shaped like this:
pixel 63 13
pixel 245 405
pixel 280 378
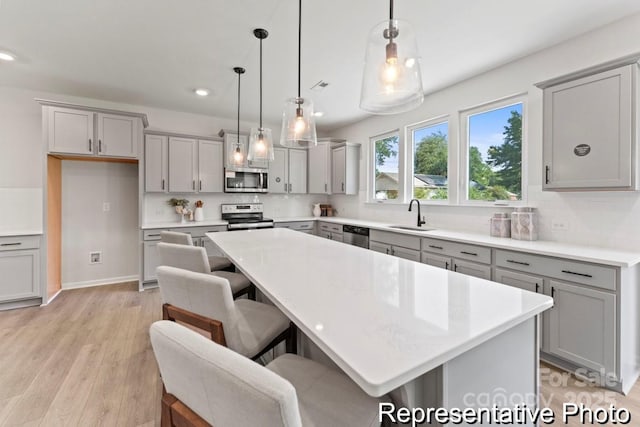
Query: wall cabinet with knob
pixel 181 164
pixel 81 132
pixel 288 171
pixel 396 244
pixel 466 259
pixel 590 128
pixel 345 159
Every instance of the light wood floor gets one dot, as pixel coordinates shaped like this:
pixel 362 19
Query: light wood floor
pixel 86 360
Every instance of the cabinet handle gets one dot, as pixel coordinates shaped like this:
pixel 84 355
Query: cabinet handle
pixel 468 253
pixel 163 184
pixel 553 291
pixel 446 265
pixel 290 190
pixel 193 185
pixel 387 251
pixel 576 274
pixel 546 174
pixel 393 252
pixel 343 186
pixel 11 244
pixel 325 187
pixel 455 267
pixel 200 185
pixel 518 262
pixel 436 247
pixel 99 146
pixel 285 187
pixel 153 235
pixel 537 288
pixel 90 146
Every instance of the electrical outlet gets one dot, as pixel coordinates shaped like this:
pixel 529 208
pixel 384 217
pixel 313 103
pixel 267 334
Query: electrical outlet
pixel 95 257
pixel 559 225
pixel 106 207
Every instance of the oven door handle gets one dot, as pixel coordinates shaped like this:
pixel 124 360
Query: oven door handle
pixel 248 226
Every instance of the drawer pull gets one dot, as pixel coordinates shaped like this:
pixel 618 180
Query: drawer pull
pixel 153 235
pixel 468 253
pixel 518 262
pixel 537 288
pixel 435 247
pixel 11 244
pixel 576 274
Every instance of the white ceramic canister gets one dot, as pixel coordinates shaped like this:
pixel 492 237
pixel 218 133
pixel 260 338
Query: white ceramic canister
pixel 501 225
pixel 524 224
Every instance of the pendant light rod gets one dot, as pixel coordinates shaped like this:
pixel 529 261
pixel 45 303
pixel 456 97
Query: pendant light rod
pixel 390 10
pixel 261 34
pixel 300 44
pixel 239 71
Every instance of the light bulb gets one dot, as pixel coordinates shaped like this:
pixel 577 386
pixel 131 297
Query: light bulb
pixel 260 146
pixel 300 125
pixel 391 70
pixel 237 156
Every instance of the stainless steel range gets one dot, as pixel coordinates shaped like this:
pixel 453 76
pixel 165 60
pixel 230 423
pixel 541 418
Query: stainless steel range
pixel 245 216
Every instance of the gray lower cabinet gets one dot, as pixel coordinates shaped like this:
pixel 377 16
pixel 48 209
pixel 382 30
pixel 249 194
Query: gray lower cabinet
pixel 472 269
pixel 582 326
pixel 330 230
pixel 526 282
pixel 396 244
pixel 151 260
pixel 462 258
pixel 302 226
pixel 20 271
pixel 398 251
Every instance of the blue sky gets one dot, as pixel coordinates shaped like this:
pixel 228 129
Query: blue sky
pixel 485 130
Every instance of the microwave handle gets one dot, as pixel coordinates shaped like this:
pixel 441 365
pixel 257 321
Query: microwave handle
pixel 261 179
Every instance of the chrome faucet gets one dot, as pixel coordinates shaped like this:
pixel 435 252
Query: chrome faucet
pixel 420 219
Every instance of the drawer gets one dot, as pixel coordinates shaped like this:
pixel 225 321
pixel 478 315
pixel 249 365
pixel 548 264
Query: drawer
pixel 457 250
pixel 201 231
pixel 152 234
pixel 19 243
pixel 297 225
pixel 596 275
pixel 395 239
pixel 329 226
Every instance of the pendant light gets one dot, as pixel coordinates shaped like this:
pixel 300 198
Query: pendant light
pixel 298 122
pixel 238 155
pixel 260 140
pixel 392 81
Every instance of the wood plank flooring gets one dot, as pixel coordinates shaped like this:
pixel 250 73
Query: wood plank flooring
pixel 86 360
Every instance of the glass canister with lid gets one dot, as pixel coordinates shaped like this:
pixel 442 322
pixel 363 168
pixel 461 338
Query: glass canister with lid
pixel 524 224
pixel 501 225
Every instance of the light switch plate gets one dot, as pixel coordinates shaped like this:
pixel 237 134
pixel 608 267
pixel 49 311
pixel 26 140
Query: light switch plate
pixel 559 225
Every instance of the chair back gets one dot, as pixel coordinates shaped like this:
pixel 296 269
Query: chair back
pixel 176 237
pixel 219 385
pixel 192 258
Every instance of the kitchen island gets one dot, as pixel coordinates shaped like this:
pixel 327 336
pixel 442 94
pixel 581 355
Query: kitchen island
pixel 430 337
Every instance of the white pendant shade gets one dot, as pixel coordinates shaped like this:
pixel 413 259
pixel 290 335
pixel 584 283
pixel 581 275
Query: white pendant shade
pixel 392 80
pixel 260 145
pixel 298 123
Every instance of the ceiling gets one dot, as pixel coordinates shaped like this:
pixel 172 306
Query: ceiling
pixel 156 52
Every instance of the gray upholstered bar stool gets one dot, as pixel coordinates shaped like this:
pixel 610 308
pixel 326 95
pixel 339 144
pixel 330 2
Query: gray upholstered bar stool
pixel 212 385
pixel 194 258
pixel 205 301
pixel 216 262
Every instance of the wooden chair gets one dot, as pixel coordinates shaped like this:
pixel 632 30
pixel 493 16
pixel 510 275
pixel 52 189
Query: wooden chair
pixel 215 262
pixel 194 258
pixel 209 385
pixel 204 301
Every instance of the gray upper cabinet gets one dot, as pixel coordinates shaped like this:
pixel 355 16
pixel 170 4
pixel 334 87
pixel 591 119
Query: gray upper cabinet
pixel 183 164
pixel 345 160
pixel 589 130
pixel 70 131
pixel 117 135
pixel 210 170
pixel 156 165
pixel 320 168
pixel 288 171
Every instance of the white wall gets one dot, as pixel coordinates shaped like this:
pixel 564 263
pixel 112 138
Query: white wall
pixel 607 219
pixel 86 227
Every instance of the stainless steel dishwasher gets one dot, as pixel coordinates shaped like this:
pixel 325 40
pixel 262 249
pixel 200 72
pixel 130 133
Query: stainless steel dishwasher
pixel 356 236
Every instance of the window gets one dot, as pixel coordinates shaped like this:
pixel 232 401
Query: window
pixel 493 151
pixel 430 160
pixel 386 177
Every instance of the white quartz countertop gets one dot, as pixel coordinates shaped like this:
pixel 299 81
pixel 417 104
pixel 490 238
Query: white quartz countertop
pixel 11 233
pixel 563 250
pixel 383 320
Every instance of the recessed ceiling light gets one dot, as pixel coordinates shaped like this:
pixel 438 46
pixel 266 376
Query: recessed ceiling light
pixel 318 113
pixel 202 92
pixel 7 56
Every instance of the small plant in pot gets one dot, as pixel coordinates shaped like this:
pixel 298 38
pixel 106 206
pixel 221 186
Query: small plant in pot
pixel 180 205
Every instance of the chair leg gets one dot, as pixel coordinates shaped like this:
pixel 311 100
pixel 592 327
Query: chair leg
pixel 252 292
pixel 165 414
pixel 292 339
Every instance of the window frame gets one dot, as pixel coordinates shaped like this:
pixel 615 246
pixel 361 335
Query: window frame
pixel 463 172
pixel 409 131
pixel 372 168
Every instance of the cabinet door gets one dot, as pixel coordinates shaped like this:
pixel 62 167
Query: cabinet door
pixel 379 247
pixel 70 131
pixel 436 260
pixel 155 163
pixel 519 280
pixel 325 234
pixel 210 167
pixel 410 254
pixel 319 170
pixel 182 165
pixel 278 172
pixel 117 135
pixel 472 269
pixel 151 260
pixel 298 171
pixel 582 326
pixel 19 275
pixel 338 168
pixel 588 131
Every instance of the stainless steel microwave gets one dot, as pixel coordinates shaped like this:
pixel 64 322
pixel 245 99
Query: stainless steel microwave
pixel 246 180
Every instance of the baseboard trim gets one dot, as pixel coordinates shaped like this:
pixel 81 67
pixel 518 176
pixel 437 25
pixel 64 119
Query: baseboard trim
pixel 99 282
pixel 52 298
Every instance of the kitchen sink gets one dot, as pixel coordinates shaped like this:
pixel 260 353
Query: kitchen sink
pixel 411 228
